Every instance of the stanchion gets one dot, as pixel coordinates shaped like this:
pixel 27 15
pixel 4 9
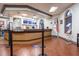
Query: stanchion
pixel 11 43
pixel 42 25
pixel 78 40
pixel 43 54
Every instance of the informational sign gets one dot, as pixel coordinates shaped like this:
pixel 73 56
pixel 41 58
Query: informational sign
pixel 68 22
pixel 27 21
pixel 17 22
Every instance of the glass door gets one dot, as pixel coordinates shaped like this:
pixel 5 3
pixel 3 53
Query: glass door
pixel 4 50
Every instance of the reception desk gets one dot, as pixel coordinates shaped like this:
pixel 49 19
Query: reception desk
pixel 29 35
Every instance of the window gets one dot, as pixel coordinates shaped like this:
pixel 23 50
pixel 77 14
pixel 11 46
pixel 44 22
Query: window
pixel 68 22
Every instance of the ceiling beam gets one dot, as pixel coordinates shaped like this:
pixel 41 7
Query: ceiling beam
pixel 24 6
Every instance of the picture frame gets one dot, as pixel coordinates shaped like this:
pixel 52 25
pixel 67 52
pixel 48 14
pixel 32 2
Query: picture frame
pixel 61 21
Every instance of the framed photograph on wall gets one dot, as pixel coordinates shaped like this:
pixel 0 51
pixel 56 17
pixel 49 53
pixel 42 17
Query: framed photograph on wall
pixel 61 21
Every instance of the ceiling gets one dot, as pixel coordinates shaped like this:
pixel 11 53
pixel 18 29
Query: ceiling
pixel 45 6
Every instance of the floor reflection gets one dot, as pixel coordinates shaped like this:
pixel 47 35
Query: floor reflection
pixel 54 47
pixel 4 51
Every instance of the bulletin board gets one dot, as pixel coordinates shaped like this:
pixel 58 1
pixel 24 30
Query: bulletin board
pixel 27 21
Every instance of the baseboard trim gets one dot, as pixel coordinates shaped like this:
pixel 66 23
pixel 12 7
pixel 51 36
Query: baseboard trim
pixel 65 39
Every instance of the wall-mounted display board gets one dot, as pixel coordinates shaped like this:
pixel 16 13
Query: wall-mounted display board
pixel 68 22
pixel 16 23
pixel 28 21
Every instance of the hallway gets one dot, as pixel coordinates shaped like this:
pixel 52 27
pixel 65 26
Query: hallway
pixel 54 47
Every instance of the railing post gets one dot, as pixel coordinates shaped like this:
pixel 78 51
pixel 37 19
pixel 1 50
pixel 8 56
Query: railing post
pixel 77 40
pixel 10 40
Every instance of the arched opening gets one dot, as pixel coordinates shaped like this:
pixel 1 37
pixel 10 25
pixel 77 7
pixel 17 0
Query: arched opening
pixel 68 22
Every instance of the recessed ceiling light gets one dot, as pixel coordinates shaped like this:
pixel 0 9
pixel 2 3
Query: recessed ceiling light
pixel 53 9
pixel 24 14
pixel 35 17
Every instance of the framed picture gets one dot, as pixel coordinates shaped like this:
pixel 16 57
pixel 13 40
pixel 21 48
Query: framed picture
pixel 61 21
pixel 27 21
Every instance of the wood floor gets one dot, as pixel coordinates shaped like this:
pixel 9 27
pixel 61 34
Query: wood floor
pixel 53 47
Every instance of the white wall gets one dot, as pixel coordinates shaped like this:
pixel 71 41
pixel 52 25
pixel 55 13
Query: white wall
pixel 75 23
pixel 47 23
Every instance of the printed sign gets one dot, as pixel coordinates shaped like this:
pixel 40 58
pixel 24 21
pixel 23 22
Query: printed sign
pixel 28 22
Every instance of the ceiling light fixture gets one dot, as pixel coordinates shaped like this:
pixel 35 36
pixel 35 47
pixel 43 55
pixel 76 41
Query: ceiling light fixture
pixel 53 9
pixel 24 14
pixel 35 17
